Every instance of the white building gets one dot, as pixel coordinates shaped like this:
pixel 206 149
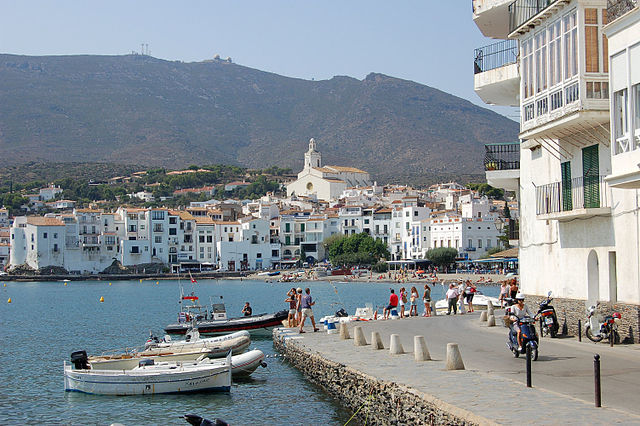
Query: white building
pixel 244 245
pixel 49 193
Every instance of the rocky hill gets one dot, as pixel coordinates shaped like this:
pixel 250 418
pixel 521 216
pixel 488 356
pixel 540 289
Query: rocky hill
pixel 137 109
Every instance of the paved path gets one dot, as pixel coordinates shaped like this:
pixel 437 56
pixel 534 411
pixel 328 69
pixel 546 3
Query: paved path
pixel 493 384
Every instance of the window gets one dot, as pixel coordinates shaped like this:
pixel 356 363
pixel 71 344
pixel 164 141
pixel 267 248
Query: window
pixel 173 220
pixel 132 228
pixel 173 231
pixel 55 235
pixel 141 227
pixel 44 235
pixel 479 243
pixel 209 238
pixel 157 215
pixel 620 114
pixel 259 255
pixel 540 56
pixel 201 239
pixel 406 214
pixel 366 221
pixel 158 239
pixel 488 243
pixel 570 45
pixel 55 247
pixel 636 106
pixel 415 213
pixel 592 58
pixel 527 68
pixel 555 53
pixel 135 249
pixel 470 243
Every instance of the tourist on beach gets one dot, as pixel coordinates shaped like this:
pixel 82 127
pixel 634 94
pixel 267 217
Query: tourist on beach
pixel 452 299
pixel 469 293
pixel 504 290
pixel 306 304
pixel 513 289
pixel 393 304
pixel 426 299
pixel 298 305
pixel 292 300
pixel 413 311
pixel 403 300
pixel 247 311
pixel 462 290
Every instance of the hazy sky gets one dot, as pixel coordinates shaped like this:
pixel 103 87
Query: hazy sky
pixel 428 41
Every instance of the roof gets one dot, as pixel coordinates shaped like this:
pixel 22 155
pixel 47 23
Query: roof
pixel 345 169
pixel 384 210
pixel 238 183
pixel 323 170
pixel 184 215
pixel 222 222
pixel 334 180
pixel 512 252
pixel 88 211
pixel 44 221
pixel 204 220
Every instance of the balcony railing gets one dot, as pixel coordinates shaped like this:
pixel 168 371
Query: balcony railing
pixel 502 156
pixel 495 56
pixel 520 11
pixel 617 8
pixel 588 192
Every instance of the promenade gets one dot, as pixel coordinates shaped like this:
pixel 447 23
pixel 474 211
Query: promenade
pixel 492 388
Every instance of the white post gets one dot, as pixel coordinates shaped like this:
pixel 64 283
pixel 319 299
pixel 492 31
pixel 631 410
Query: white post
pixel 420 350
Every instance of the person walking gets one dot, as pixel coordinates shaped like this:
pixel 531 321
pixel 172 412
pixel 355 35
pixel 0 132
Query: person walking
pixel 513 288
pixel 470 292
pixel 426 299
pixel 393 304
pixel 306 302
pixel 413 311
pixel 298 305
pixel 452 299
pixel 504 290
pixel 403 300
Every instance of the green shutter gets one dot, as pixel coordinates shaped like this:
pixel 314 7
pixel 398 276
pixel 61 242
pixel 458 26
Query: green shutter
pixel 302 227
pixel 567 202
pixel 287 240
pixel 590 176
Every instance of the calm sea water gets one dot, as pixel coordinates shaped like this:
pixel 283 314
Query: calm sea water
pixel 46 321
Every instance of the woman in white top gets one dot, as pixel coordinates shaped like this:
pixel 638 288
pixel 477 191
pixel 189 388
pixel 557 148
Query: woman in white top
pixel 462 288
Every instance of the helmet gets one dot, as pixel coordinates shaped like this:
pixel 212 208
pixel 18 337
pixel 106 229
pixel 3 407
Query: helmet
pixel 617 315
pixel 519 296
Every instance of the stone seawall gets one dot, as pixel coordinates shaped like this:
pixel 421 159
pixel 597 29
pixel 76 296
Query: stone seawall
pixel 575 309
pixel 373 401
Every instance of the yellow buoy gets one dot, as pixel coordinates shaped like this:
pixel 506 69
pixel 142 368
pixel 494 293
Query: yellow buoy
pixel 9 301
pixel 157 282
pixel 101 299
pixel 140 279
pixel 65 283
pixel 109 283
pixel 4 285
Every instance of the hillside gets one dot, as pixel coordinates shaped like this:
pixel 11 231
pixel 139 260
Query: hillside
pixel 140 110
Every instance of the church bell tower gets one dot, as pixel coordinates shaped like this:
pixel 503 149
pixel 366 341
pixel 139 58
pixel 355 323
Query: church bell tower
pixel 312 158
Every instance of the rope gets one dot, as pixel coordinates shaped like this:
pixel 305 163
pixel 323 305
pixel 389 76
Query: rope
pixel 369 397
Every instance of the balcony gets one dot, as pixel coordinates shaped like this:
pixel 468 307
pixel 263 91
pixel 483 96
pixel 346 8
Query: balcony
pixel 617 8
pixel 579 198
pixel 625 172
pixel 523 11
pixel 496 77
pixel 502 165
pixel 492 17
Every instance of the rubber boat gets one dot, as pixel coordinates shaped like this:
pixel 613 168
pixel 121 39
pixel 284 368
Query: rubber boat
pixel 479 300
pixel 216 321
pixel 167 351
pixel 148 377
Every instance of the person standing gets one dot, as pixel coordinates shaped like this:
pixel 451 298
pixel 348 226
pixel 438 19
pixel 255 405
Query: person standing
pixel 513 289
pixel 393 304
pixel 426 299
pixel 504 290
pixel 462 289
pixel 247 311
pixel 298 305
pixel 306 304
pixel 403 300
pixel 452 299
pixel 470 292
pixel 292 301
pixel 413 311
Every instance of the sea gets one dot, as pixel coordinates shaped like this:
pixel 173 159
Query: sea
pixel 46 321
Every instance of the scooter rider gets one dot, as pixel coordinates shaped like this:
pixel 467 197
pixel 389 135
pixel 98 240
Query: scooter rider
pixel 518 312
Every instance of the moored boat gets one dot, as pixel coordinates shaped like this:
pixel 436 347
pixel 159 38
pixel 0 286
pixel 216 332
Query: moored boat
pixel 148 377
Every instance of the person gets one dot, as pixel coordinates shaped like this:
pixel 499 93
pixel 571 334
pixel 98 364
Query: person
pixel 298 305
pixel 452 299
pixel 513 288
pixel 462 289
pixel 518 312
pixel 306 303
pixel 413 311
pixel 504 289
pixel 426 299
pixel 470 292
pixel 393 304
pixel 247 311
pixel 291 299
pixel 403 300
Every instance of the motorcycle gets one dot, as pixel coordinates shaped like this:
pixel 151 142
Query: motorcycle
pixel 599 328
pixel 549 324
pixel 528 335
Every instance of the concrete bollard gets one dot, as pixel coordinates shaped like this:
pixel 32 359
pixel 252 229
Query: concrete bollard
pixel 491 321
pixel 483 316
pixel 489 307
pixel 420 350
pixel 433 307
pixel 344 331
pixel 376 340
pixel 454 359
pixel 358 337
pixel 395 347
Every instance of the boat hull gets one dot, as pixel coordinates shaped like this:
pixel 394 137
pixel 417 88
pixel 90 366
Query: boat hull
pixel 253 324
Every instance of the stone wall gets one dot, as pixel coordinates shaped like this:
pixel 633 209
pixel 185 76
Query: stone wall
pixel 374 401
pixel 575 309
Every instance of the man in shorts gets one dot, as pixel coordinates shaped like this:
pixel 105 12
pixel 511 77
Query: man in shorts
pixel 393 304
pixel 306 303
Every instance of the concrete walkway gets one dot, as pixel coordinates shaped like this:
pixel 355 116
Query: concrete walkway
pixel 493 385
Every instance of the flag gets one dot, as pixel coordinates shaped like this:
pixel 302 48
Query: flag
pixel 193 280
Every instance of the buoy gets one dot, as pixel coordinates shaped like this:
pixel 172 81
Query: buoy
pixel 4 285
pixel 109 283
pixel 140 279
pixel 65 283
pixel 101 299
pixel 9 301
pixel 157 282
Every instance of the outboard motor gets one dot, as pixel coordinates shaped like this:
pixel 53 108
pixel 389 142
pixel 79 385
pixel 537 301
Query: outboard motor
pixel 342 313
pixel 80 360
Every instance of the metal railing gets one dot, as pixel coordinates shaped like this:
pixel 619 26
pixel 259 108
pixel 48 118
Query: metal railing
pixel 495 56
pixel 502 156
pixel 520 11
pixel 580 193
pixel 617 8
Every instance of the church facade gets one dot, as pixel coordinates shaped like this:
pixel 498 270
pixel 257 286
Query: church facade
pixel 325 182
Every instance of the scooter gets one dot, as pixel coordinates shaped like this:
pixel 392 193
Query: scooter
pixel 549 324
pixel 528 336
pixel 599 328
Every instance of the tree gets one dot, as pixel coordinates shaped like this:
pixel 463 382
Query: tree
pixel 442 256
pixel 356 249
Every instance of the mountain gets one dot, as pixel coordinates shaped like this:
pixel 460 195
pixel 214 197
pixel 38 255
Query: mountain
pixel 137 109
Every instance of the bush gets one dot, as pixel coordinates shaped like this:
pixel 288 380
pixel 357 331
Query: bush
pixel 442 256
pixel 380 267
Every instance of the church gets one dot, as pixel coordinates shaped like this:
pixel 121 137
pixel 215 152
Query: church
pixel 325 182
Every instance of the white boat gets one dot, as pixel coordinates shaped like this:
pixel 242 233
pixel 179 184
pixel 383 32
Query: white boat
pixel 169 351
pixel 246 363
pixel 479 300
pixel 148 377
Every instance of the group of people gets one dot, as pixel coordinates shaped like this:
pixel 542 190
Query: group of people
pixel 399 302
pixel 457 295
pixel 508 288
pixel 300 308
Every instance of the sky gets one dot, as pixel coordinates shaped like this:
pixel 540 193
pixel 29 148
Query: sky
pixel 427 41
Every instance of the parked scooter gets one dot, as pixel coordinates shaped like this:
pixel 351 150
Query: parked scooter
pixel 599 328
pixel 528 336
pixel 549 324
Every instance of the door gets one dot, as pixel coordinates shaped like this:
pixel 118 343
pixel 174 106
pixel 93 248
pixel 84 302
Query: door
pixel 567 202
pixel 590 176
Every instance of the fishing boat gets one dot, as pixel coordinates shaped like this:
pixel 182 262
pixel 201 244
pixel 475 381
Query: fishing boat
pixel 216 321
pixel 148 377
